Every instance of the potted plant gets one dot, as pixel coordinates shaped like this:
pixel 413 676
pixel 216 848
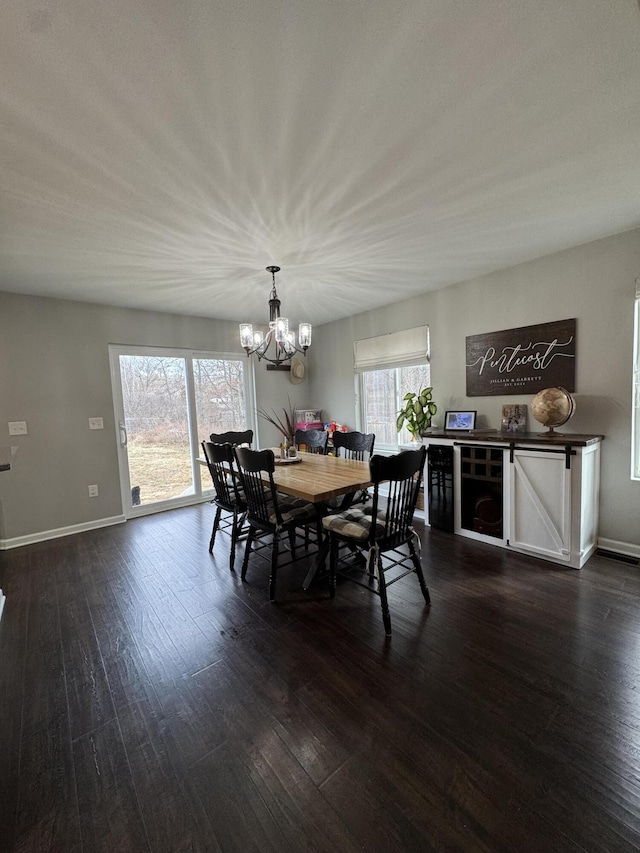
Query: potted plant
pixel 417 412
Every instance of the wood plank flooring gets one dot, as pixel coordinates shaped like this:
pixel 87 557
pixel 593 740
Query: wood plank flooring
pixel 151 701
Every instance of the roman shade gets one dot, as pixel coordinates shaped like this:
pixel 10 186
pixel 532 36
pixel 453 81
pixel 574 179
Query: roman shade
pixel 397 349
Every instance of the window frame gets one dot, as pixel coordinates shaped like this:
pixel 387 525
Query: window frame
pixel 635 389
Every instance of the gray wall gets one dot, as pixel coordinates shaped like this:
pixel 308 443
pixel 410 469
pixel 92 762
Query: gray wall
pixel 54 373
pixel 593 283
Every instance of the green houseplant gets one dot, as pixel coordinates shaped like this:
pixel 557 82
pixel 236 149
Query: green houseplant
pixel 417 412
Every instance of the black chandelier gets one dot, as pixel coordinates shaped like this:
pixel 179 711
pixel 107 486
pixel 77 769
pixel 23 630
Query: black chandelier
pixel 279 335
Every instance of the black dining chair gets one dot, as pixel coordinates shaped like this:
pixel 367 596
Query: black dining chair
pixel 228 498
pixel 314 440
pixel 269 512
pixel 352 445
pixel 234 438
pixel 382 530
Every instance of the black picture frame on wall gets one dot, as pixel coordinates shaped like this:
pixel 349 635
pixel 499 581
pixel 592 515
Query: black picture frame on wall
pixel 460 420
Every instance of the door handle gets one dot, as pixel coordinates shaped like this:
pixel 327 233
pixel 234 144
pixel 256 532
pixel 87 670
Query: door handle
pixel 123 435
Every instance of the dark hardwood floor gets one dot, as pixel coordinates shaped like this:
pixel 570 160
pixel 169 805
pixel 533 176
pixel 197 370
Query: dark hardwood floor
pixel 149 700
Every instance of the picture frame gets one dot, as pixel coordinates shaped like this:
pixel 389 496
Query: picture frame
pixel 514 417
pixel 460 420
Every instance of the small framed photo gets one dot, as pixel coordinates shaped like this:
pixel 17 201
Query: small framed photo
pixel 514 418
pixel 460 420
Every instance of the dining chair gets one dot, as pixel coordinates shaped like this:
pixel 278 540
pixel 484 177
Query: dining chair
pixel 270 512
pixel 352 445
pixel 314 440
pixel 228 499
pixel 382 529
pixel 233 438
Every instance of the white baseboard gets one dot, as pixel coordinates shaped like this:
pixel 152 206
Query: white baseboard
pixel 624 548
pixel 44 535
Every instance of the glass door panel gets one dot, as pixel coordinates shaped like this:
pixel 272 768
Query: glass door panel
pixel 220 400
pixel 166 402
pixel 156 424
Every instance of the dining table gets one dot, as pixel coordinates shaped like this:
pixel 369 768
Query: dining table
pixel 317 478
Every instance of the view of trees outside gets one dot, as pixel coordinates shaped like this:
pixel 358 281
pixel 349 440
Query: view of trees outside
pixel 154 390
pixel 383 391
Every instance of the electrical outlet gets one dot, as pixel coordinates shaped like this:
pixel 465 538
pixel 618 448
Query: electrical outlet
pixel 93 491
pixel 17 428
pixel 96 423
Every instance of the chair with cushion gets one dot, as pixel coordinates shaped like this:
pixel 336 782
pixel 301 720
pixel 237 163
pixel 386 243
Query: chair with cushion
pixel 314 440
pixel 229 498
pixel 268 511
pixel 382 529
pixel 233 438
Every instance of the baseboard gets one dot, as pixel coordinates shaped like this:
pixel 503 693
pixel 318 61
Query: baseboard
pixel 625 549
pixel 44 535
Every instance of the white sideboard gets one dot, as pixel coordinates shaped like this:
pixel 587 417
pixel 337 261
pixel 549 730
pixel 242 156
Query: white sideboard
pixel 533 493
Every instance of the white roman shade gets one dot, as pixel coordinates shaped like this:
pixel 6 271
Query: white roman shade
pixel 397 349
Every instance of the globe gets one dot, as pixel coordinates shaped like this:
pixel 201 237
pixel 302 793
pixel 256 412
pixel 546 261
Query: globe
pixel 552 407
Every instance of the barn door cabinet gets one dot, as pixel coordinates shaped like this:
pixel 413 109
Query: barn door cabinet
pixel 535 494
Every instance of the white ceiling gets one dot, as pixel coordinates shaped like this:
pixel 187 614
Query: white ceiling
pixel 160 153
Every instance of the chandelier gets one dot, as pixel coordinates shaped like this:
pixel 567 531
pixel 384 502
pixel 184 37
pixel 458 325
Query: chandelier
pixel 284 341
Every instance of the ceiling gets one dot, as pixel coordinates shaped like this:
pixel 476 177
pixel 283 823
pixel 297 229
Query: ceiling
pixel 160 154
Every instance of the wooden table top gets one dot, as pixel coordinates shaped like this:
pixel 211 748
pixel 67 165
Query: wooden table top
pixel 319 478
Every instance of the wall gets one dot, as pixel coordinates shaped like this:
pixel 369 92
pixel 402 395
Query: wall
pixel 593 283
pixel 54 374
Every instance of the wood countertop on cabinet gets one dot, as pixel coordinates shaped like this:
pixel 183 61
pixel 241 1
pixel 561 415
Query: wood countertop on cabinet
pixel 500 437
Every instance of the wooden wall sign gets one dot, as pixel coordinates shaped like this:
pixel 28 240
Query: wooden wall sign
pixel 522 361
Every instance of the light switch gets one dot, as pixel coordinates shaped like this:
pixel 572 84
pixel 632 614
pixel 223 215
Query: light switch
pixel 18 428
pixel 96 423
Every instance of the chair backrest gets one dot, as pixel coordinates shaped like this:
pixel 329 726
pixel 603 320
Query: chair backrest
pixel 315 440
pixel 354 445
pixel 261 497
pixel 220 462
pixel 402 474
pixel 233 438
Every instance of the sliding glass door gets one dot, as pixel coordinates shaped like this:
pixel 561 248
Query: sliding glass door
pixel 166 402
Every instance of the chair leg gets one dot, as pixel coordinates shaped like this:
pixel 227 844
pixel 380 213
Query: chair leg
pixel 333 564
pixel 370 564
pixel 274 567
pixel 216 522
pixel 322 553
pixel 382 589
pixel 292 542
pixel 234 539
pixel 418 568
pixel 247 551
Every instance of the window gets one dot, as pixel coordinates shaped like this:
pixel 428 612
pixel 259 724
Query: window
pixel 382 393
pixel 388 367
pixel 635 405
